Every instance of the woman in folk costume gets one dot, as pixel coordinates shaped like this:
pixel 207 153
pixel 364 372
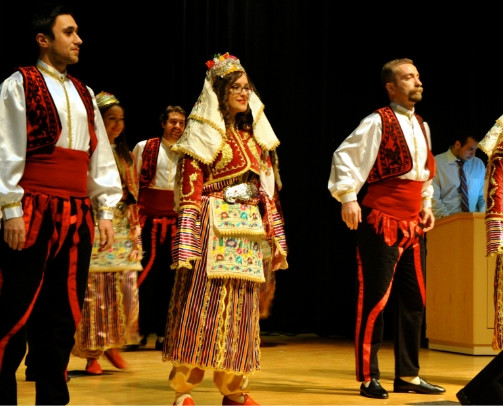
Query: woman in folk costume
pixel 110 313
pixel 492 145
pixel 227 220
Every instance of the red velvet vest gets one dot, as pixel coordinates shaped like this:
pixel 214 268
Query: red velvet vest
pixel 43 125
pixel 149 161
pixel 394 158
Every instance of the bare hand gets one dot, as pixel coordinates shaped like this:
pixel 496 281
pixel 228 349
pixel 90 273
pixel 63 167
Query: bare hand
pixel 351 214
pixel 106 230
pixel 15 233
pixel 137 232
pixel 276 260
pixel 428 219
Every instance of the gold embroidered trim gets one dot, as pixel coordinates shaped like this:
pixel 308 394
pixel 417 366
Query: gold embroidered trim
pixel 185 264
pixel 226 157
pixel 194 205
pixel 347 191
pixel 208 122
pixel 262 145
pixel 192 179
pixel 106 208
pixel 10 205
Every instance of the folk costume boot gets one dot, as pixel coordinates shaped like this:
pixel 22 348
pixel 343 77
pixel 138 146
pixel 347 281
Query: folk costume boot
pixel 242 399
pixel 93 367
pixel 184 400
pixel 116 359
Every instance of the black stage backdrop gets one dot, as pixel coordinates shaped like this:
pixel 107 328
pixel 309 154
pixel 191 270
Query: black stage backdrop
pixel 316 65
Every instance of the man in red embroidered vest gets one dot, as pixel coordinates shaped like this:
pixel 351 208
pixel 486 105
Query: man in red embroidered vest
pixel 57 167
pixel 391 151
pixel 156 165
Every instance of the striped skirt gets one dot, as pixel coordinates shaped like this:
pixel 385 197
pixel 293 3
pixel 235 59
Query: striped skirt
pixel 213 324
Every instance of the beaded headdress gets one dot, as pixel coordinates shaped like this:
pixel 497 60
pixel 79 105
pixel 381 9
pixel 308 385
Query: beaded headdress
pixel 104 99
pixel 222 65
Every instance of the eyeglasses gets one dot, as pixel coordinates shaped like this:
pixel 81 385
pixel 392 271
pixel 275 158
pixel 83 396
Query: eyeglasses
pixel 235 89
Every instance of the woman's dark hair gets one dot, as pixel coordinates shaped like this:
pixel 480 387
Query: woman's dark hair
pixel 121 144
pixel 242 121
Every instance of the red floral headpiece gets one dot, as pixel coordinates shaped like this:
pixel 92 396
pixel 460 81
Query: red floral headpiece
pixel 222 65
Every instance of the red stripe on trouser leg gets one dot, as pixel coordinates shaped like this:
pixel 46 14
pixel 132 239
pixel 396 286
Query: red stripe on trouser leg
pixel 419 272
pixel 367 330
pixel 153 252
pixel 382 263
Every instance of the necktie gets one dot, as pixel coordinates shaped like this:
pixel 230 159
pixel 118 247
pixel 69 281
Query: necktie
pixel 463 188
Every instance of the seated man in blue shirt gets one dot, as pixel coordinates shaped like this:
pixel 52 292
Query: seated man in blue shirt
pixel 447 183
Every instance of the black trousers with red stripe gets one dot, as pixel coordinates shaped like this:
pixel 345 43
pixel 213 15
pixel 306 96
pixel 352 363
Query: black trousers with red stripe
pixel 42 291
pixel 393 273
pixel 156 280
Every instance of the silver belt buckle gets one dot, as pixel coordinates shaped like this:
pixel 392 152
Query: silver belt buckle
pixel 242 193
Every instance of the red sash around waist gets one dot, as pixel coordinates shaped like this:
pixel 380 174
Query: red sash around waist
pixel 156 202
pixel 63 173
pixel 400 198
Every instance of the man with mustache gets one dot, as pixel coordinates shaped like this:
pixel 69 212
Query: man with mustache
pixel 390 152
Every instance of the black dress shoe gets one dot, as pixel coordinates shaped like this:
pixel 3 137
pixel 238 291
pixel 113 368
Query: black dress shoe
pixel 131 347
pixel 135 347
pixel 423 387
pixel 374 390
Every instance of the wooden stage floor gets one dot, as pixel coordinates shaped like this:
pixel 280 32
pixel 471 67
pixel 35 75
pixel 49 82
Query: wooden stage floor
pixel 296 370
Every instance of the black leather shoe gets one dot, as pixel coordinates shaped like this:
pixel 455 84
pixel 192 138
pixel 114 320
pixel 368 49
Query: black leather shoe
pixel 374 390
pixel 423 387
pixel 135 347
pixel 131 347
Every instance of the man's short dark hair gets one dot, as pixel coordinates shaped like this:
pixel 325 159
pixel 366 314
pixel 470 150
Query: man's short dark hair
pixel 171 109
pixel 45 17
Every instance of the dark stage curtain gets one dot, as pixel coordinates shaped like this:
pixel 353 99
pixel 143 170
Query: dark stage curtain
pixel 316 65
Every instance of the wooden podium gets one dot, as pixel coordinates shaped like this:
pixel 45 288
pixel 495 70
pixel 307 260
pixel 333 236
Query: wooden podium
pixel 459 286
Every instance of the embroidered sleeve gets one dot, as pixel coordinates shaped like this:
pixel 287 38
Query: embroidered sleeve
pixel 191 183
pixel 187 244
pixel 494 209
pixel 275 228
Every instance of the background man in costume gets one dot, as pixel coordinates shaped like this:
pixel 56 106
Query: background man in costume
pixel 156 163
